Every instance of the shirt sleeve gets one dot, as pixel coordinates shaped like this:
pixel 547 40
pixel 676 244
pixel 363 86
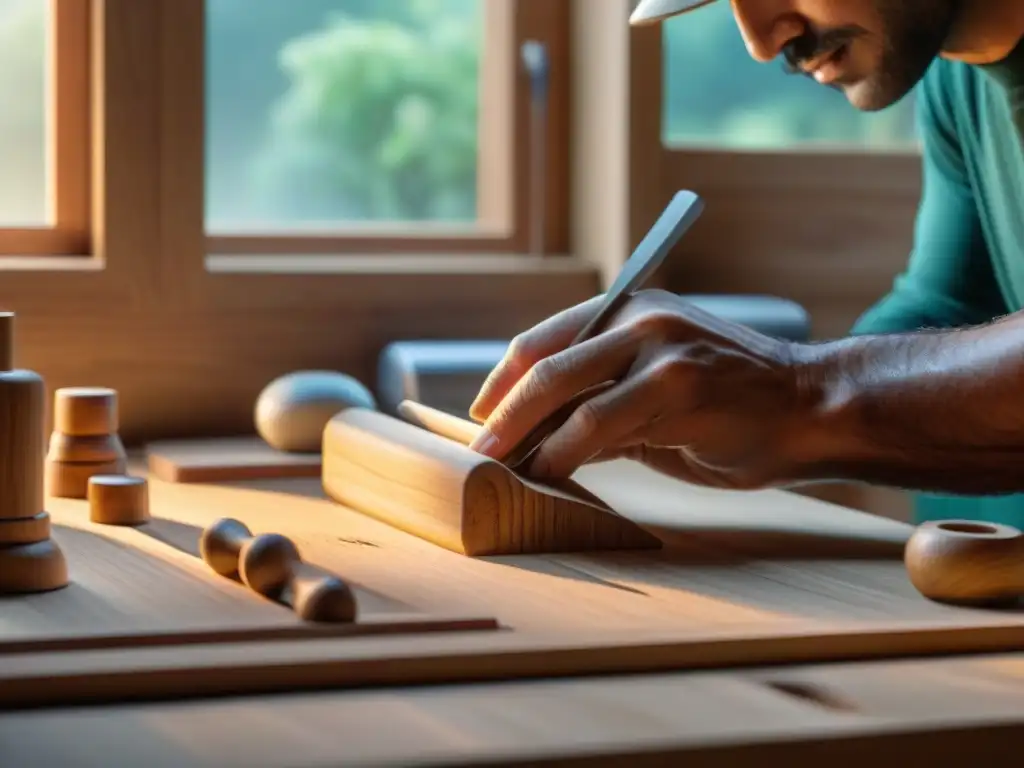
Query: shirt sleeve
pixel 949 281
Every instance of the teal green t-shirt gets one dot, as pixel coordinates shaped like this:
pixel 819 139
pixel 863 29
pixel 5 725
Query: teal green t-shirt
pixel 967 266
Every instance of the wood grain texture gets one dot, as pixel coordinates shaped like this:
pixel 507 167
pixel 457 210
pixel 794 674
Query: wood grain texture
pixel 226 459
pixel 147 586
pixel 745 578
pixel 442 491
pixel 947 712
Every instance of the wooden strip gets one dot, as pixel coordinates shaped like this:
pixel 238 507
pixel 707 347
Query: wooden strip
pixel 227 459
pixel 150 674
pixel 946 712
pixel 69 120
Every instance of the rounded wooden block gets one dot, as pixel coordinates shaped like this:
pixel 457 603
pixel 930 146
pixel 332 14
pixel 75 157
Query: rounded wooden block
pixel 118 500
pixel 292 410
pixel 966 562
pixel 38 567
pixel 70 480
pixel 324 599
pixel 85 448
pixel 25 530
pixel 85 411
pixel 220 545
pixel 22 444
pixel 266 563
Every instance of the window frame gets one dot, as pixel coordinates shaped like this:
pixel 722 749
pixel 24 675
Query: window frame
pixel 67 140
pixel 506 221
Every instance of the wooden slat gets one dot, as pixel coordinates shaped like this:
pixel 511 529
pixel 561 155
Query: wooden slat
pixel 941 712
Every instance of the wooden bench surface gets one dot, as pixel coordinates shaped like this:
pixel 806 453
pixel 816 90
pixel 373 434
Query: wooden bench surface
pixel 746 578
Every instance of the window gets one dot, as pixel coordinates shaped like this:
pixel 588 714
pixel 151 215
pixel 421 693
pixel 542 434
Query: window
pixel 362 125
pixel 44 188
pixel 716 96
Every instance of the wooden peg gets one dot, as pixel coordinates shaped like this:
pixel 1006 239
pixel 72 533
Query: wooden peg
pixel 965 562
pixel 270 565
pixel 84 442
pixel 118 500
pixel 30 561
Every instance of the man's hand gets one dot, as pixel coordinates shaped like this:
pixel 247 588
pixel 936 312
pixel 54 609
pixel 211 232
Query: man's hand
pixel 685 392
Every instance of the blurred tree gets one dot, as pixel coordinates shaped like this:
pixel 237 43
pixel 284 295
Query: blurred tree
pixel 715 95
pixel 23 150
pixel 380 119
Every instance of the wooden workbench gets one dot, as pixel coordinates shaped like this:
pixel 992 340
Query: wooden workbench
pixel 746 580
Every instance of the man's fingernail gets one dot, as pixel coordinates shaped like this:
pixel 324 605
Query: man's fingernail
pixel 484 443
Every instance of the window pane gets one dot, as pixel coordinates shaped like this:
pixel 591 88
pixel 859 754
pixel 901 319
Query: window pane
pixel 24 55
pixel 328 113
pixel 717 96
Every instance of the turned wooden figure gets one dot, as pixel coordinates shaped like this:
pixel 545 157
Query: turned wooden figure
pixel 30 561
pixel 84 441
pixel 964 562
pixel 270 565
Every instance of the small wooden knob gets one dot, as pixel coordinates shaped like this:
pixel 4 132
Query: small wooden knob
pixel 118 499
pixel 267 562
pixel 965 562
pixel 270 565
pixel 325 599
pixel 85 411
pixel 221 543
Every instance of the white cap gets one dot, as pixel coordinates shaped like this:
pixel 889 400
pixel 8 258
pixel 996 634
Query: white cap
pixel 653 11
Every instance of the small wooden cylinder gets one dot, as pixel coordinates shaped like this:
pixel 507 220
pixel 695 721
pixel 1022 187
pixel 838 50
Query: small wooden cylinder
pixel 118 500
pixel 85 411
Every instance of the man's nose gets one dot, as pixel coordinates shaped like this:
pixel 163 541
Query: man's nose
pixel 766 27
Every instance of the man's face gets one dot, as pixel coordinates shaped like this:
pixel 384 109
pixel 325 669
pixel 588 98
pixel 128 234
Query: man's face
pixel 874 51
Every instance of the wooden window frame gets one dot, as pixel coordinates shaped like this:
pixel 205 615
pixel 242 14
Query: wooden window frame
pixel 67 140
pixel 506 217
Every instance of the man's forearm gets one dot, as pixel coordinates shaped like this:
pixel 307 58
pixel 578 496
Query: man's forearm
pixel 929 411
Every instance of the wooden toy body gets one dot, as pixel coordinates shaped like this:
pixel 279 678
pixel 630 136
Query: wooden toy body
pixel 438 489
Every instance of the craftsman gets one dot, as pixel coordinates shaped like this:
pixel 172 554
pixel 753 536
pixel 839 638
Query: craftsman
pixel 928 394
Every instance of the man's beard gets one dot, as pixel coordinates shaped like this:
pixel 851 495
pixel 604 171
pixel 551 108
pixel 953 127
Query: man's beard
pixel 913 34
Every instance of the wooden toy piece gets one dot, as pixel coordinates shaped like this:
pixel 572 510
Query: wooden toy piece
pixel 118 500
pixel 84 441
pixel 435 487
pixel 964 562
pixel 270 565
pixel 292 410
pixel 30 561
pixel 226 459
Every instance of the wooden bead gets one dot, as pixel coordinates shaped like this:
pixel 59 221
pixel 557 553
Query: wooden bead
pixel 220 545
pixel 85 411
pixel 266 563
pixel 323 599
pixel 118 500
pixel 965 562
